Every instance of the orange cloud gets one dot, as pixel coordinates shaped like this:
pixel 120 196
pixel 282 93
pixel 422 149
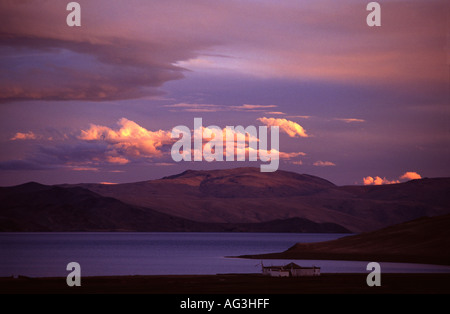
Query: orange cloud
pixel 291 128
pixel 378 181
pixel 411 176
pixel 117 160
pixel 130 140
pixel 24 136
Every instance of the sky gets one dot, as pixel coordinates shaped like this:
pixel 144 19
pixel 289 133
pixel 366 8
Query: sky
pixel 97 103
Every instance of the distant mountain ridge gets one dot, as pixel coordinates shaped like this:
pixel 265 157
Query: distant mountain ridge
pixel 247 195
pixel 250 182
pixel 33 207
pixel 239 199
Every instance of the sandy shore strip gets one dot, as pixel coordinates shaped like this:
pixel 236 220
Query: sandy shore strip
pixel 232 284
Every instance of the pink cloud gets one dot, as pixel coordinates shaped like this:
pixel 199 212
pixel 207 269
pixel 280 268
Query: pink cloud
pixel 320 163
pixel 85 169
pixel 246 150
pixel 291 155
pixel 291 128
pixel 194 107
pixel 350 120
pixel 248 107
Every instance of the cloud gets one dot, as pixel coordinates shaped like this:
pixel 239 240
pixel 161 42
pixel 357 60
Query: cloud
pixel 100 147
pixel 195 107
pixel 126 51
pixel 81 70
pixel 85 169
pixel 291 155
pixel 188 107
pixel 291 128
pixel 164 164
pixel 76 156
pixel 24 136
pixel 236 135
pixel 303 117
pixel 72 155
pixel 248 107
pixel 410 176
pixel 46 134
pixel 378 181
pixel 129 141
pixel 349 120
pixel 97 147
pixel 117 160
pixel 108 58
pixel 320 163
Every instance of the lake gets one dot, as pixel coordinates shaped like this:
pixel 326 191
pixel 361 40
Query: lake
pixel 153 253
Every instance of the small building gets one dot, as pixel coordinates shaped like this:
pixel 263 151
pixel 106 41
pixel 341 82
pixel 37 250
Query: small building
pixel 275 271
pixel 290 270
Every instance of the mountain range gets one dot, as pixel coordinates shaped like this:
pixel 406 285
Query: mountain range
pixel 239 199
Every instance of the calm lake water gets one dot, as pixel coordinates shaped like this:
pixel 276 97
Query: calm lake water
pixel 102 254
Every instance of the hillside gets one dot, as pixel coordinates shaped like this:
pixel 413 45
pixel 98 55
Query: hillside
pixel 36 207
pixel 424 240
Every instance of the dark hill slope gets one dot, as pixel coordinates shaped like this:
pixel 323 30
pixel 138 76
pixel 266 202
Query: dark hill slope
pixel 424 240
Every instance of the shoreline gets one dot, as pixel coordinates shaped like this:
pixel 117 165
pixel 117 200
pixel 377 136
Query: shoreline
pixel 389 258
pixel 328 283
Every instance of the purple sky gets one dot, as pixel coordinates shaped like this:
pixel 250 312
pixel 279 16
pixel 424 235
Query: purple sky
pixel 97 103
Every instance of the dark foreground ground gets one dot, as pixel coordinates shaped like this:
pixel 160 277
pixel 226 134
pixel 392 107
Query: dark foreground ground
pixel 233 284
